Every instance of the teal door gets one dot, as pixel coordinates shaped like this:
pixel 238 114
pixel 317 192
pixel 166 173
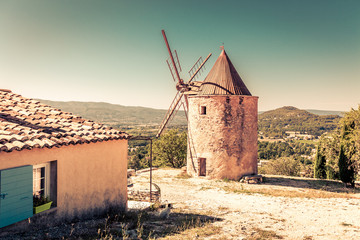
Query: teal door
pixel 16 202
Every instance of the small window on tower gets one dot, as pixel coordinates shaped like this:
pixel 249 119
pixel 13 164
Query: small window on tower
pixel 203 110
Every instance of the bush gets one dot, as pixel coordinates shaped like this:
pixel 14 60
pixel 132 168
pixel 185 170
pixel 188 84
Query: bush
pixel 139 158
pixel 170 149
pixel 287 166
pixel 331 173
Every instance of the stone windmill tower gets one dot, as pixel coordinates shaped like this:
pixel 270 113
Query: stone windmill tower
pixel 222 122
pixel 222 125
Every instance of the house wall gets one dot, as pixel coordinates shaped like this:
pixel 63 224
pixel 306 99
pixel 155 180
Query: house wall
pixel 90 177
pixel 226 136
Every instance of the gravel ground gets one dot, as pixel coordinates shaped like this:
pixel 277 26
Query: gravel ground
pixel 246 215
pixel 279 208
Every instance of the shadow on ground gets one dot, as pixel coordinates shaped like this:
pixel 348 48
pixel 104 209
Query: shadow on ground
pixel 316 184
pixel 129 225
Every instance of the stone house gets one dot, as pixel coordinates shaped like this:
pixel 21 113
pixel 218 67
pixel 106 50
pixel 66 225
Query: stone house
pixel 77 163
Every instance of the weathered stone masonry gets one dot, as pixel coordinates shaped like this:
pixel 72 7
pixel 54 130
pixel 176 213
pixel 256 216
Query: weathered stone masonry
pixel 226 135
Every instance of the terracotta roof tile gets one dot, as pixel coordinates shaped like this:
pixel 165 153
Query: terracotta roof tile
pixel 27 123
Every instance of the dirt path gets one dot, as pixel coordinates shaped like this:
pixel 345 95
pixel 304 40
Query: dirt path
pixel 246 213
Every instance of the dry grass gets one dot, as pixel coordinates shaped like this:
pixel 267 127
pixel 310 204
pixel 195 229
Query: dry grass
pixel 307 238
pixel 261 234
pixel 183 175
pixel 346 224
pixel 221 208
pixel 204 188
pixel 194 232
pixel 278 186
pixel 129 225
pixel 181 224
pixel 288 192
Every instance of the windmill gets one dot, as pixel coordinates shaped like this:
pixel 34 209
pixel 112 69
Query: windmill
pixel 182 87
pixel 222 119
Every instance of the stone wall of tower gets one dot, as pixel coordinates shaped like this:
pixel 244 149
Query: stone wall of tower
pixel 223 130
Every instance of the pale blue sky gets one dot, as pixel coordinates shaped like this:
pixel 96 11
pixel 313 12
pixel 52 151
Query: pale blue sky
pixel 299 53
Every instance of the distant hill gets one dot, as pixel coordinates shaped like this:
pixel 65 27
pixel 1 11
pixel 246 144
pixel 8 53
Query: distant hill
pixel 114 115
pixel 325 112
pixel 272 123
pixel 320 112
pixel 275 123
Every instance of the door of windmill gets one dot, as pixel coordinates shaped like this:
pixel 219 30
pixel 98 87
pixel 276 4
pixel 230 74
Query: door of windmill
pixel 202 166
pixel 16 189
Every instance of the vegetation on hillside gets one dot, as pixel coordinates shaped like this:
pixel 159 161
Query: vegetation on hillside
pixel 115 115
pixel 275 123
pixel 138 157
pixel 273 150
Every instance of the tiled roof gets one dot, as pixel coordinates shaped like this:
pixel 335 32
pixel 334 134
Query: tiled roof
pixel 26 123
pixel 223 79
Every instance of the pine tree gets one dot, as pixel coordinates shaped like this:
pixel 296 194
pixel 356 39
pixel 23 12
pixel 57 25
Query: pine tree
pixel 346 170
pixel 320 165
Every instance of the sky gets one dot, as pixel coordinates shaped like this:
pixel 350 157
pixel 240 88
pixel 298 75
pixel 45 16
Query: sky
pixel 289 53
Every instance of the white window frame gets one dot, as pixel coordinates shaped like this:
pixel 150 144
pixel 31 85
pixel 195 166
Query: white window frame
pixel 47 177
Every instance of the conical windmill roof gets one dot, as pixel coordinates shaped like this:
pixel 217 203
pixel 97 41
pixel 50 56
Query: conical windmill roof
pixel 223 79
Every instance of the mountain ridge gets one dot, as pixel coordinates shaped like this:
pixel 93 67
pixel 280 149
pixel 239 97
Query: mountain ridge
pixel 116 115
pixel 273 123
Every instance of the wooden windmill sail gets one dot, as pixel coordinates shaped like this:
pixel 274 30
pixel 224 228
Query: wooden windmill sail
pixel 181 86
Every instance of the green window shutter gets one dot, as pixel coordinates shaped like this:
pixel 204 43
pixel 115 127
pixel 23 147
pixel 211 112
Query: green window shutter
pixel 16 202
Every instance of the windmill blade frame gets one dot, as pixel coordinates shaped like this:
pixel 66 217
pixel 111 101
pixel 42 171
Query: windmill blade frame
pixel 199 68
pixel 170 112
pixel 171 57
pixel 181 86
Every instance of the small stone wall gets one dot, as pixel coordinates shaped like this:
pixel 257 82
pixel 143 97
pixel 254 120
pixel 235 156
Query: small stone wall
pixel 251 179
pixel 144 195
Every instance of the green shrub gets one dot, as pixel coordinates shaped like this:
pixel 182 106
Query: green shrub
pixel 287 166
pixel 320 166
pixel 331 173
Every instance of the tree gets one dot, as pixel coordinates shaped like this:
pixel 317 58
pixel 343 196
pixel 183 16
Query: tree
pixel 170 149
pixel 320 166
pixel 138 158
pixel 287 166
pixel 349 156
pixel 350 137
pixel 328 147
pixel 346 170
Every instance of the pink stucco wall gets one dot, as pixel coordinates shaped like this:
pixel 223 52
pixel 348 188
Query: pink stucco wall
pixel 90 177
